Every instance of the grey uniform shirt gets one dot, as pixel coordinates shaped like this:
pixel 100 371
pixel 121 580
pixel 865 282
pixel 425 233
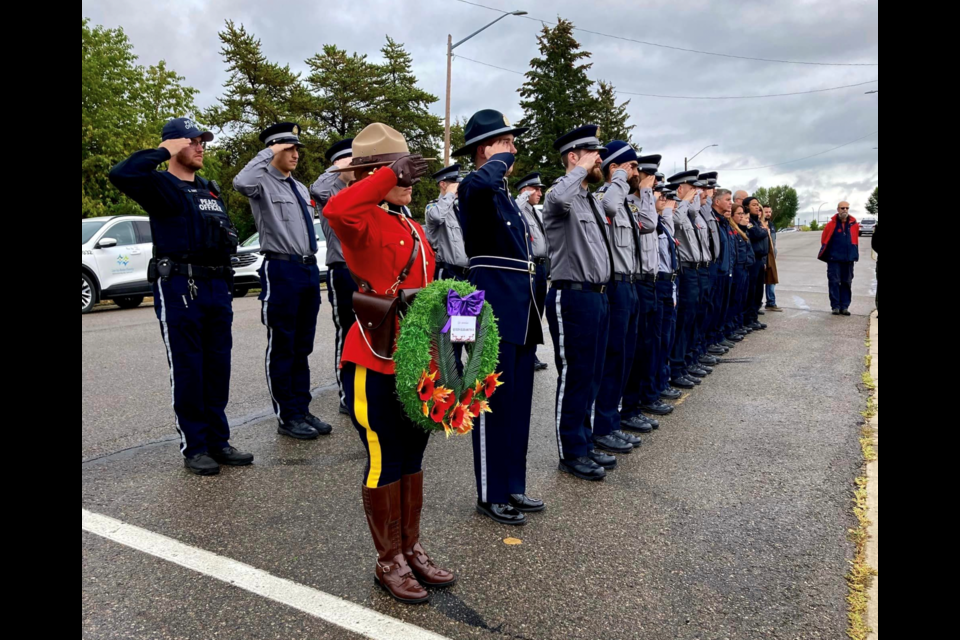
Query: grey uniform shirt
pixel 644 207
pixel 538 235
pixel 279 217
pixel 613 196
pixel 327 186
pixel 713 230
pixel 686 233
pixel 578 245
pixel 663 243
pixel 444 232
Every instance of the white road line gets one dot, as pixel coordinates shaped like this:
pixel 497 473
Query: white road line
pixel 336 611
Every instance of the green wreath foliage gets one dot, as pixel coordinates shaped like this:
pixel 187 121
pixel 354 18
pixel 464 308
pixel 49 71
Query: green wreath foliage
pixel 423 349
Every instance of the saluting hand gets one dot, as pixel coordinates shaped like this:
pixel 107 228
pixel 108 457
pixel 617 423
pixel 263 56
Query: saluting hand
pixel 176 146
pixel 409 170
pixel 589 160
pixel 649 182
pixel 280 148
pixel 498 147
pixel 453 188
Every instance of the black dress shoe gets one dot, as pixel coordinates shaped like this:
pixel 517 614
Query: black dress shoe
pixel 671 394
pixel 583 468
pixel 202 465
pixel 658 409
pixel 836 312
pixel 708 361
pixel 717 350
pixel 761 312
pixel 709 370
pixel 682 383
pixel 603 460
pixel 298 430
pixel 502 513
pixel 319 425
pixel 846 312
pixel 735 338
pixel 728 345
pixel 230 457
pixel 653 422
pixel 696 381
pixel 631 440
pixel 762 326
pixel 637 424
pixel 540 366
pixel 697 372
pixel 344 411
pixel 526 504
pixel 748 329
pixel 613 445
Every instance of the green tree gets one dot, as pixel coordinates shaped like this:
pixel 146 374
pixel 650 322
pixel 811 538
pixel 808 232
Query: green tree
pixel 345 91
pixel 783 200
pixel 259 93
pixel 123 108
pixel 873 206
pixel 557 97
pixel 612 117
pixel 814 225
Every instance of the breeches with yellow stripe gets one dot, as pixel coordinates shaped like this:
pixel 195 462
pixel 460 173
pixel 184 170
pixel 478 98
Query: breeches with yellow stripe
pixel 394 444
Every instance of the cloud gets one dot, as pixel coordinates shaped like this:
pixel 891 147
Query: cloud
pixel 751 133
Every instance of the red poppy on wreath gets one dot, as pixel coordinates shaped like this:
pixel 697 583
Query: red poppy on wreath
pixel 460 420
pixel 480 407
pixel 443 397
pixel 438 413
pixel 467 398
pixel 491 384
pixel 427 386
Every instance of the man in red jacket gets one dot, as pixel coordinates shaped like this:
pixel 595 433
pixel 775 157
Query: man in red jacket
pixel 840 249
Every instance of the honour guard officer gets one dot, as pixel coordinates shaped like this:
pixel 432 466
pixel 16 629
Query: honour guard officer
pixel 619 164
pixel 706 350
pixel 531 193
pixel 688 295
pixel 290 277
pixel 340 285
pixel 668 261
pixel 443 228
pixel 578 309
pixel 502 264
pixel 699 213
pixel 194 240
pixel 388 253
pixel 642 392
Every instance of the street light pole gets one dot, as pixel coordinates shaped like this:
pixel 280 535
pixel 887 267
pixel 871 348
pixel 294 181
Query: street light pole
pixel 450 47
pixel 687 161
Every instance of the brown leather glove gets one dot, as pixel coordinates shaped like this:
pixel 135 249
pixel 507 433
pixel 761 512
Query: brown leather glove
pixel 409 170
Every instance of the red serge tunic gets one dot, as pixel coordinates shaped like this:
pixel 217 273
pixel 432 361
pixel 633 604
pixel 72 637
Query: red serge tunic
pixel 376 246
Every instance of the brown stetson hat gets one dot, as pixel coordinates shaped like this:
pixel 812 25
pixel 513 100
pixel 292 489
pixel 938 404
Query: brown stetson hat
pixel 377 146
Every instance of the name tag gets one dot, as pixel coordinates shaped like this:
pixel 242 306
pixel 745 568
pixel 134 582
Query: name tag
pixel 463 329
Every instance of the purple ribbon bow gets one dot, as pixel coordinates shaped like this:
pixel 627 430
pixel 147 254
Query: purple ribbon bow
pixel 470 307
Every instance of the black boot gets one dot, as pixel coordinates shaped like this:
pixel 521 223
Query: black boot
pixel 202 465
pixel 230 457
pixel 298 430
pixel 319 425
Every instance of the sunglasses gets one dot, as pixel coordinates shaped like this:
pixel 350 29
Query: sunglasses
pixel 844 208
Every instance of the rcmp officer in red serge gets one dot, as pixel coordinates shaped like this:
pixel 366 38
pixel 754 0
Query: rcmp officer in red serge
pixel 578 309
pixel 193 287
pixel 502 264
pixel 340 286
pixel 443 227
pixel 388 254
pixel 290 277
pixel 531 194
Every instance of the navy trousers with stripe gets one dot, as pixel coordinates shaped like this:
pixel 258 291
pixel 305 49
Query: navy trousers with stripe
pixel 394 444
pixel 687 303
pixel 290 305
pixel 340 290
pixel 667 333
pixel 198 338
pixel 708 279
pixel 579 324
pixel 640 382
pixel 619 361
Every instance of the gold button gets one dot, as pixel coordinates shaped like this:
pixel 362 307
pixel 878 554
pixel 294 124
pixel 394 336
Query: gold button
pixel 402 243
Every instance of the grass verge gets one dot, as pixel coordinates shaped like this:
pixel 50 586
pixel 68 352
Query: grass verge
pixel 861 575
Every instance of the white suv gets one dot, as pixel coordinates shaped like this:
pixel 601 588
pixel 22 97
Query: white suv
pixel 247 262
pixel 115 253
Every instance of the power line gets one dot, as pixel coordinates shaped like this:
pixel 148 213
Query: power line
pixel 780 164
pixel 652 95
pixel 672 48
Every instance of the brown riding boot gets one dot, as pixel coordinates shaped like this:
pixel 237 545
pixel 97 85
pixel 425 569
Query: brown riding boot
pixel 412 501
pixel 382 507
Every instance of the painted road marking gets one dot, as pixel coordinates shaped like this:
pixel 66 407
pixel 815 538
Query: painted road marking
pixel 323 606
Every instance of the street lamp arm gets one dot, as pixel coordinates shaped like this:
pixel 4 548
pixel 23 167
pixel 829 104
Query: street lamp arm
pixel 702 150
pixel 476 33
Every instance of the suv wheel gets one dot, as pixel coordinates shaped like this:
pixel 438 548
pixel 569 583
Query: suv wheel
pixel 88 294
pixel 131 302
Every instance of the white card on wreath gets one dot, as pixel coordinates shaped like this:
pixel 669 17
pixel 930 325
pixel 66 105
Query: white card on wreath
pixel 463 329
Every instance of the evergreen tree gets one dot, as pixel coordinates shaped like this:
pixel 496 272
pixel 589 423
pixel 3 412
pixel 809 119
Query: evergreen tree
pixel 345 91
pixel 874 205
pixel 612 117
pixel 556 98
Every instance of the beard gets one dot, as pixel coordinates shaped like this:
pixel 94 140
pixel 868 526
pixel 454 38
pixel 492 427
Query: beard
pixel 190 161
pixel 595 176
pixel 634 184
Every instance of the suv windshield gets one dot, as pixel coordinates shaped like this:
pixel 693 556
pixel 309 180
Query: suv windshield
pixel 90 228
pixel 252 241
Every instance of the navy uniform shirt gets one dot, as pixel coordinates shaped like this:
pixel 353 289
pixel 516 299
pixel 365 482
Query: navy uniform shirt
pixel 495 233
pixel 576 232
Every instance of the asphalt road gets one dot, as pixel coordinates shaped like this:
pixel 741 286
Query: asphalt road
pixel 729 523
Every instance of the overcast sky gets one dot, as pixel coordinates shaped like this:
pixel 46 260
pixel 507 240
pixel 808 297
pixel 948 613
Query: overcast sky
pixel 751 133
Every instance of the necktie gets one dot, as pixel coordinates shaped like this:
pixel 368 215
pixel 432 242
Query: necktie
pixel 311 233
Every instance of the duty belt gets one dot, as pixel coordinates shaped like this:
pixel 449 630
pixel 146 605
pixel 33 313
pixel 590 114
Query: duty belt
pixel 463 272
pixel 195 272
pixel 337 265
pixel 503 264
pixel 620 277
pixel 696 265
pixel 650 278
pixel 563 285
pixel 541 262
pixel 664 276
pixel 283 257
